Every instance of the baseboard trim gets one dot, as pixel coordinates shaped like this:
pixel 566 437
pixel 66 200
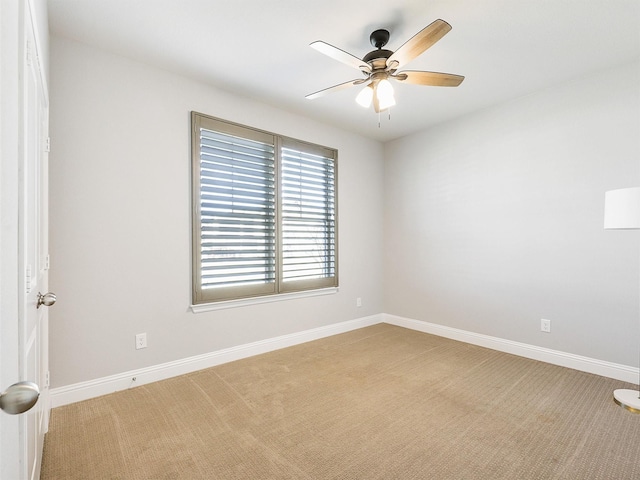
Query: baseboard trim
pixel 555 357
pixel 102 386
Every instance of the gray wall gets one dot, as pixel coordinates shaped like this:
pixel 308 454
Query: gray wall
pixel 495 221
pixel 120 219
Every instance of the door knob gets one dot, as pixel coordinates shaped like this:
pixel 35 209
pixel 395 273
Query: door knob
pixel 19 397
pixel 47 299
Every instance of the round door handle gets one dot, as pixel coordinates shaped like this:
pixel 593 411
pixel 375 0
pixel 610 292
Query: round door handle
pixel 47 299
pixel 19 397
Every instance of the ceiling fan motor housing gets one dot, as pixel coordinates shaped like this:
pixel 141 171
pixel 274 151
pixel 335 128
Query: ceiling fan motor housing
pixel 378 58
pixel 379 38
pixel 377 54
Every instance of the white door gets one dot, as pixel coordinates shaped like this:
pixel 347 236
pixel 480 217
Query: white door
pixel 34 240
pixel 24 350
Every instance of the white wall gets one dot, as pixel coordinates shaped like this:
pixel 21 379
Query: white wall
pixel 120 219
pixel 495 220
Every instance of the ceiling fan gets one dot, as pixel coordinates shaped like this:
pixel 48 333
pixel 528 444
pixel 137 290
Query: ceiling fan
pixel 380 65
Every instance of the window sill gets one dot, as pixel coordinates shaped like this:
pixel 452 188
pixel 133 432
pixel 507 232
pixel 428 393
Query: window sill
pixel 209 307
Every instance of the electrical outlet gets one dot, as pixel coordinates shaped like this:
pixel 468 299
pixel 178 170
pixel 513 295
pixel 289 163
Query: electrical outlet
pixel 141 341
pixel 358 302
pixel 545 325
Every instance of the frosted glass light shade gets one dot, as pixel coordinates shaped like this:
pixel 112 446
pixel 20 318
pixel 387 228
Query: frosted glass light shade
pixel 365 96
pixel 384 92
pixel 386 103
pixel 622 208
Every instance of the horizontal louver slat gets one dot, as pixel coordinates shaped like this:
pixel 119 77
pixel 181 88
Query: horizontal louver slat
pixel 236 271
pixel 249 171
pixel 319 196
pixel 235 201
pixel 248 230
pixel 244 282
pixel 232 217
pixel 237 209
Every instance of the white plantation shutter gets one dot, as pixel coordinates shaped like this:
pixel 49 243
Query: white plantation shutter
pixel 308 227
pixel 263 217
pixel 235 245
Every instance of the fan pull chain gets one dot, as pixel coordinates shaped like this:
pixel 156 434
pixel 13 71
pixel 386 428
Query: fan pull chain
pixel 379 117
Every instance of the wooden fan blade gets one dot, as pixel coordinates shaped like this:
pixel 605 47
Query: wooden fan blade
pixel 435 79
pixel 420 42
pixel 335 88
pixel 340 55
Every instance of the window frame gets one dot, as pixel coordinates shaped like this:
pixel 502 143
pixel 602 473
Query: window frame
pixel 230 295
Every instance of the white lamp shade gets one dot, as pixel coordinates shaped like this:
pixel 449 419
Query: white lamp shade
pixel 622 208
pixel 387 102
pixel 365 96
pixel 384 89
pixel 384 92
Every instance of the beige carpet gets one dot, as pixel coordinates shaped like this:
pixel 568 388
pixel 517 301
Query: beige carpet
pixel 382 402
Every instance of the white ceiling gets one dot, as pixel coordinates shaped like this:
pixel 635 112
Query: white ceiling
pixel 260 48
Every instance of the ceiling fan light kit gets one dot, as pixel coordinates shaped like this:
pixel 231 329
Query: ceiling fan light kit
pixel 380 65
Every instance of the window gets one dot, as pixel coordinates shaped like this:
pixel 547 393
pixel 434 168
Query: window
pixel 264 213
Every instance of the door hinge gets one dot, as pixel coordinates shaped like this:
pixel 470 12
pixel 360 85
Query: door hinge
pixel 47 262
pixel 47 379
pixel 27 276
pixel 28 53
pixel 47 144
